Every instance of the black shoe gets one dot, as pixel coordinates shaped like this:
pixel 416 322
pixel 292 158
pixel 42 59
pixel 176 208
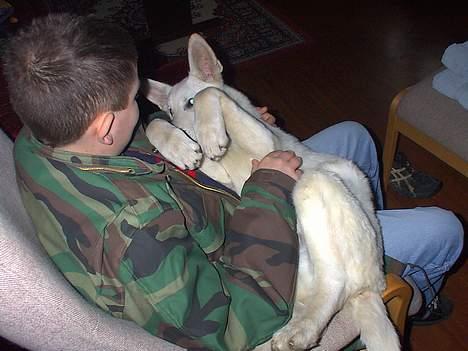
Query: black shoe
pixel 405 180
pixel 438 310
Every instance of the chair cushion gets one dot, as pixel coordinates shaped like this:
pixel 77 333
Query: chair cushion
pixel 436 115
pixel 39 310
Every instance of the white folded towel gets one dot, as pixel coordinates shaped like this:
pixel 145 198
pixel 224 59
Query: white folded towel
pixel 448 83
pixel 455 58
pixel 462 96
pixel 452 85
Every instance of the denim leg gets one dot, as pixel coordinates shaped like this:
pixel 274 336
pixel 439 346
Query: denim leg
pixel 352 141
pixel 428 237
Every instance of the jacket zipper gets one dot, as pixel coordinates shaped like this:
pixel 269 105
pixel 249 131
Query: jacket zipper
pixel 220 191
pixel 109 169
pixel 131 171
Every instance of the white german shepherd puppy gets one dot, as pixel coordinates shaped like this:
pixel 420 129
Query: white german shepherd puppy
pixel 216 128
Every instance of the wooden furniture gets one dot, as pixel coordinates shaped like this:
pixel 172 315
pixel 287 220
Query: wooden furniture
pixel 432 120
pixel 397 298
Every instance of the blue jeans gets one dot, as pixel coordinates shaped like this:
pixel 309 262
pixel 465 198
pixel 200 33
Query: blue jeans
pixel 425 238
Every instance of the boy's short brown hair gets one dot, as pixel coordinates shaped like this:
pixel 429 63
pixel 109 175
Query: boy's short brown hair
pixel 63 70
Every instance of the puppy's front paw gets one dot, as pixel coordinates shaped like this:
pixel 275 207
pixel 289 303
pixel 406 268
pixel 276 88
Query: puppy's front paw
pixel 213 141
pixel 182 151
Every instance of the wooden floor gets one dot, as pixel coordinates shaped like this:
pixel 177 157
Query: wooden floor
pixel 355 60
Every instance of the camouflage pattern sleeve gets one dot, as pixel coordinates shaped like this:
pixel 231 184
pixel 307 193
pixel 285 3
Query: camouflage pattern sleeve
pixel 257 264
pixel 261 253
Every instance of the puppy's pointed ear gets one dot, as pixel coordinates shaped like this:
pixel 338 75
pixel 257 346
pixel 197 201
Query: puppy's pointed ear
pixel 202 61
pixel 156 92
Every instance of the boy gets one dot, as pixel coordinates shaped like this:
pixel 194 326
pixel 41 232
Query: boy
pixel 192 264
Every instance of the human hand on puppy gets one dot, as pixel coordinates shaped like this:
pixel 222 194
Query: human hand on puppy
pixel 286 162
pixel 266 116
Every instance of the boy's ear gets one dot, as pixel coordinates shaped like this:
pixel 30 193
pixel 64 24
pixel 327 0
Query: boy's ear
pixel 156 92
pixel 103 126
pixel 202 60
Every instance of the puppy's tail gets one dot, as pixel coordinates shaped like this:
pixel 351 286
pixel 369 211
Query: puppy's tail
pixel 377 331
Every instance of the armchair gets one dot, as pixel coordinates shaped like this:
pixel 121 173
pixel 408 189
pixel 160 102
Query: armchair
pixel 430 119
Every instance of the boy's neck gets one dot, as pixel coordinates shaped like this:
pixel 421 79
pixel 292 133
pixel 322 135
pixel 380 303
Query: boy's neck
pixel 87 145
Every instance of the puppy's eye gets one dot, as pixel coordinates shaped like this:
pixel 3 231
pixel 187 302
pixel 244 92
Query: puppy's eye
pixel 189 104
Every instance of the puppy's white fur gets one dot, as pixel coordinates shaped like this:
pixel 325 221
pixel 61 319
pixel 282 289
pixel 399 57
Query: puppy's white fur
pixel 340 264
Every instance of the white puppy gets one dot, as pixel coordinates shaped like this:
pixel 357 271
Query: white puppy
pixel 216 128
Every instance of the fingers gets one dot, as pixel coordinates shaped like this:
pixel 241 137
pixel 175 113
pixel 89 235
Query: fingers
pixel 255 164
pixel 266 116
pixel 293 162
pixel 287 155
pixel 286 162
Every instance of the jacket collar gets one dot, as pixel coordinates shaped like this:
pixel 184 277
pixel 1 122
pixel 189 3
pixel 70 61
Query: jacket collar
pixel 136 160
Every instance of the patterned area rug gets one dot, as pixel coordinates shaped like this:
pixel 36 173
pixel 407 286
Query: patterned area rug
pixel 244 29
pixel 129 14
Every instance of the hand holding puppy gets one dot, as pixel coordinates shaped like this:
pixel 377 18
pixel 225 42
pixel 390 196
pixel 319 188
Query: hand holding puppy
pixel 286 162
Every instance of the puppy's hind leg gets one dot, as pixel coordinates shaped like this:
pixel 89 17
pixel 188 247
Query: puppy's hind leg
pixel 312 313
pixel 357 183
pixel 324 294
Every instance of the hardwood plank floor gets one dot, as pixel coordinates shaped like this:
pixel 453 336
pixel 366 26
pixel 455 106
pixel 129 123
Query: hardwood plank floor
pixel 356 59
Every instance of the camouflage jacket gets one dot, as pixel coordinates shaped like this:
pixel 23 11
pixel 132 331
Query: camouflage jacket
pixel 189 262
